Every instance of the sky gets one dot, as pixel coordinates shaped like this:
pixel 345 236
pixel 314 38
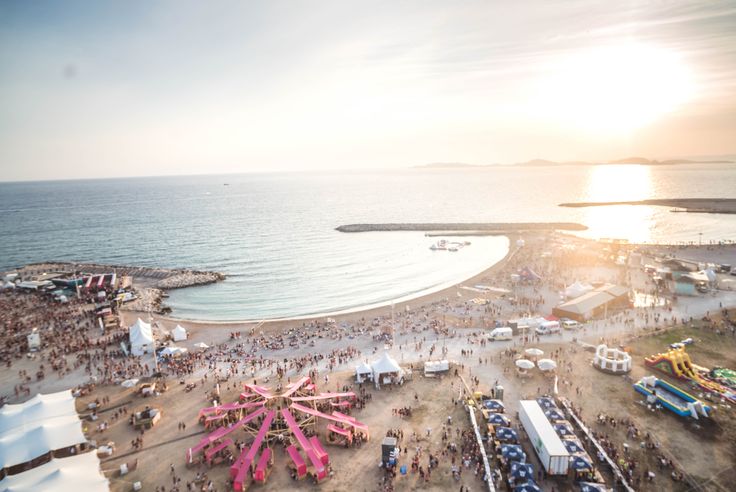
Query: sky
pixel 137 88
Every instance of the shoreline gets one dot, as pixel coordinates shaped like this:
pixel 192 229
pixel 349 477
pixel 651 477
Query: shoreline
pixel 350 314
pixel 384 309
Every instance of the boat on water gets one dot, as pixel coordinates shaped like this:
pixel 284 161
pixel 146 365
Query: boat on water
pixel 439 245
pixel 672 398
pixel 445 245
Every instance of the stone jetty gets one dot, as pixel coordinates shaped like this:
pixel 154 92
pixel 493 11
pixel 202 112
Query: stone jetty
pixel 478 227
pixel 159 278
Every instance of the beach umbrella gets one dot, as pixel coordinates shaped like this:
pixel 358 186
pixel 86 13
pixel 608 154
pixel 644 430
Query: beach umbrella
pixel 494 405
pixel 546 402
pixel 554 414
pixel 592 487
pixel 580 463
pixel 563 429
pixel 506 434
pixel 129 383
pixel 498 419
pixel 529 486
pixel 201 345
pixel 534 352
pixel 547 364
pixel 513 452
pixel 573 446
pixel 524 364
pixel 521 470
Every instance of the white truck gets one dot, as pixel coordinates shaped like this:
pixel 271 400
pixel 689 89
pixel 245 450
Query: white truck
pixel 546 443
pixel 503 333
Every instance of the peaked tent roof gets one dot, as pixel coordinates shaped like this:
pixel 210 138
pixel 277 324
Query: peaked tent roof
pixel 363 368
pixel 38 409
pixel 140 333
pixel 577 289
pixel 80 472
pixel 586 302
pixel 25 443
pixel 614 290
pixel 385 365
pixel 179 333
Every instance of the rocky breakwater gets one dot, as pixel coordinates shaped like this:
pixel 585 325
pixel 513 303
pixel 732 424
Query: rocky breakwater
pixel 149 283
pixel 477 227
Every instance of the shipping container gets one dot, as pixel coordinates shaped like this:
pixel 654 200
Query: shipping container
pixel 546 443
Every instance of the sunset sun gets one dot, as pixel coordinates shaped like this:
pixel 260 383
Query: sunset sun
pixel 615 89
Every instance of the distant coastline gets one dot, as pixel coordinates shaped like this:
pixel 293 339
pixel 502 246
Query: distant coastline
pixel 690 205
pixel 636 161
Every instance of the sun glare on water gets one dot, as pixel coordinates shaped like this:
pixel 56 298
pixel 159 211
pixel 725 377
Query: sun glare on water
pixel 616 183
pixel 614 89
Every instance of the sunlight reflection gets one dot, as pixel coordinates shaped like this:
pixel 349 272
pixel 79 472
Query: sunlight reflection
pixel 613 183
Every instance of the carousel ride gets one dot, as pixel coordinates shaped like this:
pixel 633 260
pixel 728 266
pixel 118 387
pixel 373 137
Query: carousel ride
pixel 263 418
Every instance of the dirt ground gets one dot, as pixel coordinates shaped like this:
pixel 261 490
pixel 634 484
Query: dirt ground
pixel 354 468
pixel 705 450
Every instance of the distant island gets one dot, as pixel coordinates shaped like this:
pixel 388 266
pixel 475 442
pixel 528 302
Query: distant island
pixel 691 205
pixel 546 163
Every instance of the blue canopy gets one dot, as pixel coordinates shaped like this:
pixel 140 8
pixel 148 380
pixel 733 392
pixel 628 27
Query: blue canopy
pixel 592 487
pixel 573 446
pixel 513 452
pixel 506 434
pixel 529 486
pixel 498 419
pixel 563 429
pixel 521 470
pixel 495 405
pixel 580 463
pixel 554 414
pixel 546 402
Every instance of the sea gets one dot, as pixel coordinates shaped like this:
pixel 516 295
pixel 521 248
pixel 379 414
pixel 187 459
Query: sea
pixel 274 235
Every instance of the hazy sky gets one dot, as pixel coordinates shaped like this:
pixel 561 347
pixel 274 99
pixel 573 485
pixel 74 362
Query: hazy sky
pixel 96 89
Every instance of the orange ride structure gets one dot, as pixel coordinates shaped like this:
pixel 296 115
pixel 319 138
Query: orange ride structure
pixel 677 363
pixel 263 418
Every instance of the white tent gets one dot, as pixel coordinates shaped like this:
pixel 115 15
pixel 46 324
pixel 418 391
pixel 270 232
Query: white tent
pixel 363 372
pixel 546 364
pixel 141 338
pixel 173 351
pixel 577 289
pixel 79 472
pixel 179 333
pixel 36 410
pixel 386 366
pixel 28 442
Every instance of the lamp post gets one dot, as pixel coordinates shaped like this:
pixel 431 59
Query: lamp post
pixel 153 336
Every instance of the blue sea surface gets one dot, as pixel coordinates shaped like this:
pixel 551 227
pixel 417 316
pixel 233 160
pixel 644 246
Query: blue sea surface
pixel 274 236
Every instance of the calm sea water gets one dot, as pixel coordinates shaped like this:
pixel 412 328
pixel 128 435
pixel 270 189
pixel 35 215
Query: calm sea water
pixel 273 234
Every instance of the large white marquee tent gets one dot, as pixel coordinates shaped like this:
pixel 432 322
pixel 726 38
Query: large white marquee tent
pixel 38 409
pixel 80 472
pixel 42 424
